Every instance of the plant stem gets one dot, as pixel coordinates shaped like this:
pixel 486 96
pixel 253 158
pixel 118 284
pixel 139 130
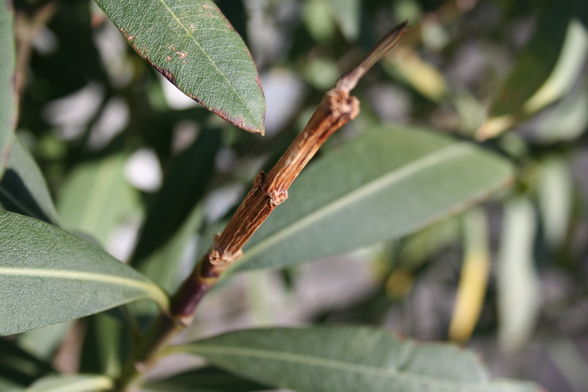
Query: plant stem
pixel 268 191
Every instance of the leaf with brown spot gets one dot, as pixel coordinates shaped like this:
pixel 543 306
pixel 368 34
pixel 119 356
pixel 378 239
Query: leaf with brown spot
pixel 192 45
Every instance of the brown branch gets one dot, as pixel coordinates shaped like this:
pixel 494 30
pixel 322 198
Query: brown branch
pixel 26 30
pixel 268 191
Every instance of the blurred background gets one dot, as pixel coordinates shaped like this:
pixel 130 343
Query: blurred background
pixel 507 278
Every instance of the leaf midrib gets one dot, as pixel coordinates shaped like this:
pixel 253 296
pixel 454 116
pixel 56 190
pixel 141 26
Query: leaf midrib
pixel 350 197
pixel 232 351
pixel 150 289
pixel 172 13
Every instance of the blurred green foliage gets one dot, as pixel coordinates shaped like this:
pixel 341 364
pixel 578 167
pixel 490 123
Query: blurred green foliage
pixel 140 169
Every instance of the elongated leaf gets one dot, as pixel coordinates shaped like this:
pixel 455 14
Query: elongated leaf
pixel 72 383
pixel 565 121
pixel 48 276
pixel 518 283
pixel 386 184
pixel 319 20
pixel 536 61
pixel 422 245
pixel 96 197
pixel 206 379
pixel 347 359
pixel 545 71
pixel 23 188
pixel 8 386
pixel 163 265
pixel 474 276
pixel 555 193
pixel 19 366
pixel 43 342
pixel 7 80
pixel 406 63
pixel 185 182
pixel 104 347
pixel 347 13
pixel 191 43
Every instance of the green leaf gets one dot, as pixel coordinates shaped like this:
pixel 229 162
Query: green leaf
pixel 341 359
pixel 185 183
pixel 8 386
pixel 385 184
pixel 406 63
pixel 43 342
pixel 23 188
pixel 347 13
pixel 18 366
pixel 72 383
pixel 518 284
pixel 206 379
pixel 555 193
pixel 318 18
pixel 565 121
pixel 106 344
pixel 96 196
pixel 473 280
pixel 192 44
pixel 424 244
pixel 7 82
pixel 48 276
pixel 536 60
pixel 163 265
pixel 544 72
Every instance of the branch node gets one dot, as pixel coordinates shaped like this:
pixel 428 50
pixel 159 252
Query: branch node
pixel 277 197
pixel 259 180
pixel 219 258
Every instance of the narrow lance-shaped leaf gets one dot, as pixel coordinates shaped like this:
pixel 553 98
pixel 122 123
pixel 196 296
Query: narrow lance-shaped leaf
pixel 7 82
pixel 48 276
pixel 519 294
pixel 386 184
pixel 348 15
pixel 555 192
pixel 205 379
pixel 96 197
pixel 19 366
pixel 184 185
pixel 545 71
pixel 348 359
pixel 192 44
pixel 474 276
pixel 23 188
pixel 72 383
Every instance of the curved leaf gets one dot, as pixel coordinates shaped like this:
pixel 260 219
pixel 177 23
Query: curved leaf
pixel 72 383
pixel 19 366
pixel 518 283
pixel 347 359
pixel 23 188
pixel 192 44
pixel 7 80
pixel 205 379
pixel 386 184
pixel 48 276
pixel 545 70
pixel 347 13
pixel 184 185
pixel 473 281
pixel 96 196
